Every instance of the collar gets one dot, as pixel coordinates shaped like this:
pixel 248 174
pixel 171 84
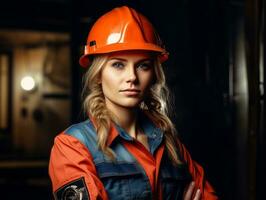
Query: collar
pixel 115 132
pixel 153 133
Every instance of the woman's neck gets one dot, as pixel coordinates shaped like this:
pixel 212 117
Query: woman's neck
pixel 127 118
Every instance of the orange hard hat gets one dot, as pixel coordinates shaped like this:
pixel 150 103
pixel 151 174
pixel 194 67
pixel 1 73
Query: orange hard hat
pixel 120 29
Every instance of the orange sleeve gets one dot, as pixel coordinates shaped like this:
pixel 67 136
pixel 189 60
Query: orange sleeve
pixel 70 160
pixel 197 173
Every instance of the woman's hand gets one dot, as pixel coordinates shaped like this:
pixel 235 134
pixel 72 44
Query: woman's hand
pixel 188 194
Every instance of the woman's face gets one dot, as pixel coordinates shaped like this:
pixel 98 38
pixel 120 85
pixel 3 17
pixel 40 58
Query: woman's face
pixel 126 77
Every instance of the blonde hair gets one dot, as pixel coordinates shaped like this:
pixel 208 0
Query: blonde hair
pixel 155 105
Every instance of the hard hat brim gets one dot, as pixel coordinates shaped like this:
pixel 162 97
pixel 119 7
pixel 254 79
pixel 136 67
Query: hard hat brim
pixel 84 60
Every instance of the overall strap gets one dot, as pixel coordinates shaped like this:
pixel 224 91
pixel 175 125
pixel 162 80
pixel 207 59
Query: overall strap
pixel 86 134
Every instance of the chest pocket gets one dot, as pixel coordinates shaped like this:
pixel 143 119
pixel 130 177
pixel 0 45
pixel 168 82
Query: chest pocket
pixel 174 179
pixel 123 181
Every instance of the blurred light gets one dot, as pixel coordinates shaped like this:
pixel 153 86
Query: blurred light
pixel 27 83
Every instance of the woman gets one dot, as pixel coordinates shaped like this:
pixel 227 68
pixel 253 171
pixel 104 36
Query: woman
pixel 128 148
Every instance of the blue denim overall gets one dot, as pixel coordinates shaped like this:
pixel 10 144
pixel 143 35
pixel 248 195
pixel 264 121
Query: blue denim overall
pixel 124 178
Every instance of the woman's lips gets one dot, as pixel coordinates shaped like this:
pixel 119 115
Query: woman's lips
pixel 130 92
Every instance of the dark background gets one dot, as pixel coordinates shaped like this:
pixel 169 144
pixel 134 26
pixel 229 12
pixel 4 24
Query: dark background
pixel 204 39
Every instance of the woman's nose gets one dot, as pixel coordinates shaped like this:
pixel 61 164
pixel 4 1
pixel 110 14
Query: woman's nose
pixel 131 74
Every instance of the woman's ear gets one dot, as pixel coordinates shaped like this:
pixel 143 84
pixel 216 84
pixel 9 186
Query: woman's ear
pixel 99 80
pixel 154 80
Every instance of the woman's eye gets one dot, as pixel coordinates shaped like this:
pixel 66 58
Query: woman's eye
pixel 117 65
pixel 144 66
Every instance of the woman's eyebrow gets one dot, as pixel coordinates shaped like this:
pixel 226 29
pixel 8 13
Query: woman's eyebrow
pixel 121 59
pixel 125 60
pixel 144 60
